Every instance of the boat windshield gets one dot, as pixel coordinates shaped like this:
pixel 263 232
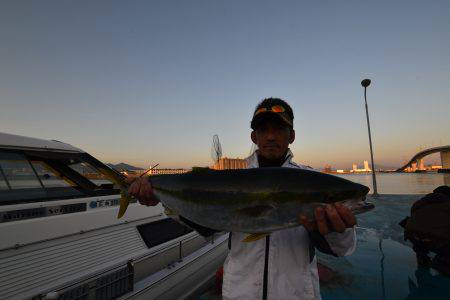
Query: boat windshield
pixel 47 176
pixel 34 176
pixel 18 172
pixel 89 172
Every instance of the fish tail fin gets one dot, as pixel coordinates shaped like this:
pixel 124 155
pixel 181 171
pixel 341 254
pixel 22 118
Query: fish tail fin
pixel 124 201
pixel 254 237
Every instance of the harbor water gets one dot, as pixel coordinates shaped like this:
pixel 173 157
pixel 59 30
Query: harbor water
pixel 402 183
pixel 383 265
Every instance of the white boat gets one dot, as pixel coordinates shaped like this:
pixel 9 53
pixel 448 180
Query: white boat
pixel 60 237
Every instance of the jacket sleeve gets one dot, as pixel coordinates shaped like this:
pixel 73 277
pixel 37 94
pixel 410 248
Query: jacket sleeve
pixel 344 243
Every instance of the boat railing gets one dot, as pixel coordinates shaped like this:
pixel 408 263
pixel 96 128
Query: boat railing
pixel 117 280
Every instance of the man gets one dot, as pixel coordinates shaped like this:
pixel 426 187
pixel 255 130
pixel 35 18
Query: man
pixel 282 265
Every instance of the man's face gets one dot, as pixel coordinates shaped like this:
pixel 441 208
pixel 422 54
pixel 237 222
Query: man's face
pixel 273 138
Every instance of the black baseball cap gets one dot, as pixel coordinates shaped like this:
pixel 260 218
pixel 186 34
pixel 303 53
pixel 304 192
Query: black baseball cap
pixel 272 108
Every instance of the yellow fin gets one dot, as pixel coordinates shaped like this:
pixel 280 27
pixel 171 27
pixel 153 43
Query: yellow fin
pixel 169 212
pixel 125 199
pixel 255 236
pixel 172 214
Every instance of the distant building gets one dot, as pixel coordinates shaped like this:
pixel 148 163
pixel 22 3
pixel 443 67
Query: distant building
pixel 327 169
pixel 365 169
pixel 366 166
pixel 421 165
pixel 226 163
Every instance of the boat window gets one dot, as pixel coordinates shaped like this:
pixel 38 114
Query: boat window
pixel 92 174
pixel 24 179
pixel 33 176
pixel 159 232
pixel 18 172
pixel 48 176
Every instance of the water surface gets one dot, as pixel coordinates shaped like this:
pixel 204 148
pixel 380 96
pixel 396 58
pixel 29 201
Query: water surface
pixel 402 183
pixel 384 264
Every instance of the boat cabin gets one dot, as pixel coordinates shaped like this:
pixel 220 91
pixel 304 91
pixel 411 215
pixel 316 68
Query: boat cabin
pixel 60 237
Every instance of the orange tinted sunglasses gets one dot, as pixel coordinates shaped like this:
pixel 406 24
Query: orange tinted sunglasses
pixel 275 109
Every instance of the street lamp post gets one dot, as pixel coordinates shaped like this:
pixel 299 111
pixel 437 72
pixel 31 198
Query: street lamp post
pixel 365 83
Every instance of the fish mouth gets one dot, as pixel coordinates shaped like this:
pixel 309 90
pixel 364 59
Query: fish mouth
pixel 358 205
pixel 363 207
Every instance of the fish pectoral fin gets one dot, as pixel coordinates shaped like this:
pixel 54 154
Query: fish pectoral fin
pixel 254 237
pixel 169 211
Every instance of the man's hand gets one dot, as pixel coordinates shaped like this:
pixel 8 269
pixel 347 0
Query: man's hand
pixel 142 190
pixel 334 218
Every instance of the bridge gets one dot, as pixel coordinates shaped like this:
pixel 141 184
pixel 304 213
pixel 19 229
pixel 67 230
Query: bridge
pixel 416 161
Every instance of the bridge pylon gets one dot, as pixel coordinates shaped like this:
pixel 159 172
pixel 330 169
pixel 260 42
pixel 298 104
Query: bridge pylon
pixel 445 159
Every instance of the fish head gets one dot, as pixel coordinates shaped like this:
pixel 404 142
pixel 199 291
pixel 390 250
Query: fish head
pixel 357 201
pixel 352 196
pixel 342 190
pixel 359 206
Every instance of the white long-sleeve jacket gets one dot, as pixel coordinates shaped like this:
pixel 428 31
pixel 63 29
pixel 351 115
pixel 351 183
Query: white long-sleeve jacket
pixel 291 274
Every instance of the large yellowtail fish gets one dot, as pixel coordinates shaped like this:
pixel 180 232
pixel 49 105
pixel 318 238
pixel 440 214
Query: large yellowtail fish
pixel 254 201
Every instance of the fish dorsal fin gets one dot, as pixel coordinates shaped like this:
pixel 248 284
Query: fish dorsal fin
pixel 254 237
pixel 201 170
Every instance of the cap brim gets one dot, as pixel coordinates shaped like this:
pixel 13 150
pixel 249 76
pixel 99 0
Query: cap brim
pixel 266 116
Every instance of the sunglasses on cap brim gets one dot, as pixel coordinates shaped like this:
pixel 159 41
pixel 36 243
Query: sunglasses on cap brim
pixel 274 109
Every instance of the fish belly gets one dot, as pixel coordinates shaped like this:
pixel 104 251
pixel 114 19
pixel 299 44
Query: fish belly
pixel 248 217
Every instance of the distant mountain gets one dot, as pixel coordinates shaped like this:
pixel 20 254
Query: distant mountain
pixel 123 166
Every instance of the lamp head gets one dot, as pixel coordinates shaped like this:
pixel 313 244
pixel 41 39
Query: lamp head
pixel 365 83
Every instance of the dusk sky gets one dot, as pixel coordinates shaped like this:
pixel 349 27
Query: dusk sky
pixel 147 82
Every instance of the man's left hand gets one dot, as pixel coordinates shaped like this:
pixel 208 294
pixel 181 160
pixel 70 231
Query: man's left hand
pixel 332 218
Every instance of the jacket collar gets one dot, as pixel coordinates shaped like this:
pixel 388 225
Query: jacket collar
pixel 252 160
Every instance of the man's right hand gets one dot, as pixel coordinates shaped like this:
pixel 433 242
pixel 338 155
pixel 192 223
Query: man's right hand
pixel 142 190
